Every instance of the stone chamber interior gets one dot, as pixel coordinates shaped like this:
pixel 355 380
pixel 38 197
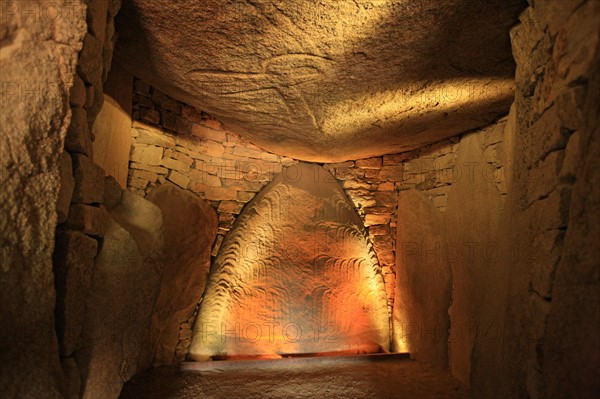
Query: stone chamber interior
pixel 378 199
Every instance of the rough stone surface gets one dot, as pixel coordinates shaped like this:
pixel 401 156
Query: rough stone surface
pixel 67 185
pixel 123 291
pixel 546 347
pixel 215 164
pixel 143 220
pixel 190 227
pixel 37 62
pixel 297 256
pixel 313 86
pixel 111 129
pixel 89 181
pixel 473 249
pixel 112 192
pixel 78 139
pixel 89 219
pixel 73 267
pixel 333 378
pixel 423 281
pixel 571 357
pixel 147 154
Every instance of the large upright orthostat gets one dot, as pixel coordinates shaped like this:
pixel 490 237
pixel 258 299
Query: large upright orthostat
pixel 296 274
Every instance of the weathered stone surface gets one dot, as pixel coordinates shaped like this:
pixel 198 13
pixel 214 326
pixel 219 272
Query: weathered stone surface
pixel 112 126
pixel 96 18
pixel 159 98
pixel 216 193
pixel 147 154
pixel 241 185
pixel 190 227
pixel 149 115
pixel 571 347
pixel 355 185
pixel 174 164
pixel 143 220
pixel 73 267
pixel 570 163
pixel 137 183
pixel 89 219
pixel 89 181
pixel 230 207
pixel 474 247
pixel 348 173
pixel 94 108
pixel 204 178
pixel 423 281
pixel 67 185
pixel 183 158
pixel 90 95
pixel 201 147
pixel 391 173
pixel 387 186
pixel 382 230
pixel 374 219
pixel 37 65
pixel 112 193
pixel 369 163
pixel 324 262
pixel 78 138
pixel 321 90
pixel 145 175
pixel 147 135
pixel 155 169
pixel 123 291
pixel 244 196
pixel 386 198
pixel 77 96
pixel 90 65
pixel 72 378
pixel 207 133
pixel 178 178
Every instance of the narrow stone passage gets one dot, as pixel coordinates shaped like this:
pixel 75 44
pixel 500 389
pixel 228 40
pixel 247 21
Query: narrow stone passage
pixel 341 377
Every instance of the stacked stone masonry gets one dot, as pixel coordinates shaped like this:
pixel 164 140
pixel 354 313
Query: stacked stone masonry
pixel 556 58
pixel 173 142
pixel 82 217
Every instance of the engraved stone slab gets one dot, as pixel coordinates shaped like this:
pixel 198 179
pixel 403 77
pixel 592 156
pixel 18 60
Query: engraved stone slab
pixel 296 274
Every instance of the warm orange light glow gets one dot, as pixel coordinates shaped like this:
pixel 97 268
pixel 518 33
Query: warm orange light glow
pixel 296 274
pixel 420 102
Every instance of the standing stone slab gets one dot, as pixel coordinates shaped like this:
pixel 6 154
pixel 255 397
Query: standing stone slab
pixel 190 227
pixel 123 292
pixel 67 185
pixel 73 267
pixel 423 281
pixel 296 274
pixel 89 181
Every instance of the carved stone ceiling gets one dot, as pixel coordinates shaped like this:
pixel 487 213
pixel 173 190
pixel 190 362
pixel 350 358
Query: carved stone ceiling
pixel 328 80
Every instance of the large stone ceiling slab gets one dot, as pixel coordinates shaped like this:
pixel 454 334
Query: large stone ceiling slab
pixel 328 80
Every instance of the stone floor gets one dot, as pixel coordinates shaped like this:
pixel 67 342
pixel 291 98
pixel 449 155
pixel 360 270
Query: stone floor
pixel 341 377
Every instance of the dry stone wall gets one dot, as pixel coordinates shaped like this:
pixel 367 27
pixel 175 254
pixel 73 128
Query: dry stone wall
pixel 92 239
pixel 175 143
pixel 520 202
pixel 556 48
pixel 373 185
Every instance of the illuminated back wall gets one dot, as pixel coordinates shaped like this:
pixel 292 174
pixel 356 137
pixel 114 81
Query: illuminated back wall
pixel 295 275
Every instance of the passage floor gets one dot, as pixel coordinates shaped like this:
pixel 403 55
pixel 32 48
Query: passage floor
pixel 365 376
